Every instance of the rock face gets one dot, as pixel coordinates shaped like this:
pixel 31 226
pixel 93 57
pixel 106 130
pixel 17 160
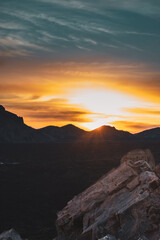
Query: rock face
pixel 124 204
pixel 10 235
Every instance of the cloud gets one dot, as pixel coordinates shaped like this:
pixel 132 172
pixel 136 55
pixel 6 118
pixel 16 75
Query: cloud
pixel 134 127
pixel 62 116
pixel 146 7
pixel 144 111
pixel 13 53
pixel 12 26
pixel 55 111
pixel 76 5
pixel 15 47
pixel 62 77
pixel 64 29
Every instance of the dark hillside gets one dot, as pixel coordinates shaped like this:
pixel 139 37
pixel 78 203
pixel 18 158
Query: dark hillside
pixel 37 180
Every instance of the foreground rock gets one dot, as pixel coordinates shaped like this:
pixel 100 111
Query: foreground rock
pixel 124 204
pixel 10 235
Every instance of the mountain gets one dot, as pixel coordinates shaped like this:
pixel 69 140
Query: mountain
pixel 14 130
pixel 67 132
pixel 150 134
pixel 109 133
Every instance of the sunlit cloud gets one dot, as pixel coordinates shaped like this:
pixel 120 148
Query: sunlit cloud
pixel 133 127
pixel 154 110
pixel 95 93
pixel 53 112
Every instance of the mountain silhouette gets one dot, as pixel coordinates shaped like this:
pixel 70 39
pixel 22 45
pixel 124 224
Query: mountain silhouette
pixel 110 133
pixel 37 180
pixel 67 132
pixel 152 134
pixel 14 130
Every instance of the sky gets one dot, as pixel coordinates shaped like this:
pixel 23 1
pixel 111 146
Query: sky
pixel 85 62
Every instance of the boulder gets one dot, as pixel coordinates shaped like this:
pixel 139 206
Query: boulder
pixel 10 235
pixel 122 205
pixel 138 156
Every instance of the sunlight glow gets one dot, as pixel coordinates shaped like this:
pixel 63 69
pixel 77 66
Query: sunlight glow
pixel 107 105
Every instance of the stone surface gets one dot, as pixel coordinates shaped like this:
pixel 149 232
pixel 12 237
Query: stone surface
pixel 10 235
pixel 123 205
pixel 108 237
pixel 139 156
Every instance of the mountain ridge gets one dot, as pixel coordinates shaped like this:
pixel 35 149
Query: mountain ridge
pixel 13 129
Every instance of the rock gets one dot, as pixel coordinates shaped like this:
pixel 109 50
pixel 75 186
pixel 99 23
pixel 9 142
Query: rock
pixel 138 156
pixel 157 170
pixel 10 235
pixel 108 237
pixel 142 238
pixel 123 205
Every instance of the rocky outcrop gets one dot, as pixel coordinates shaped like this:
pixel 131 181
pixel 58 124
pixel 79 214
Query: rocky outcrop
pixel 10 235
pixel 123 205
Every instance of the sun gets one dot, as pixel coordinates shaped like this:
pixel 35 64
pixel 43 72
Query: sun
pixel 106 105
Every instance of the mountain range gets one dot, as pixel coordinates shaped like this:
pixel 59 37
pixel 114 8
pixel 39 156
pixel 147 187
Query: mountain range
pixel 14 130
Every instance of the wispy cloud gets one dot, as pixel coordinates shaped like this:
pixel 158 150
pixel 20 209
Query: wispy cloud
pixel 57 28
pixel 56 111
pixel 10 25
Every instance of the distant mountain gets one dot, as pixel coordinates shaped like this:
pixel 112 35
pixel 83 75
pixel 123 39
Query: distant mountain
pixel 150 134
pixel 109 133
pixel 67 132
pixel 14 130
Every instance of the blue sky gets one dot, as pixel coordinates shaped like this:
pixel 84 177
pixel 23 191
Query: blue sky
pixel 128 30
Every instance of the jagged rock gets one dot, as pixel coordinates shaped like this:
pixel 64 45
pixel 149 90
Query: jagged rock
pixel 10 235
pixel 124 204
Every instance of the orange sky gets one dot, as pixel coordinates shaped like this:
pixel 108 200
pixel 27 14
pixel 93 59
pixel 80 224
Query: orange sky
pixel 87 95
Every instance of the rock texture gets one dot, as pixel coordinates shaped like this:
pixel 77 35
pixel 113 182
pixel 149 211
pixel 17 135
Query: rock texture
pixel 123 205
pixel 10 235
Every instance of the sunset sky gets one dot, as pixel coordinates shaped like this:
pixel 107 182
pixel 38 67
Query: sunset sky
pixel 85 62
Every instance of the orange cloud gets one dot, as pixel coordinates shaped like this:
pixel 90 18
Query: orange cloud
pixel 135 79
pixel 144 111
pixel 133 127
pixel 53 112
pixel 27 88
